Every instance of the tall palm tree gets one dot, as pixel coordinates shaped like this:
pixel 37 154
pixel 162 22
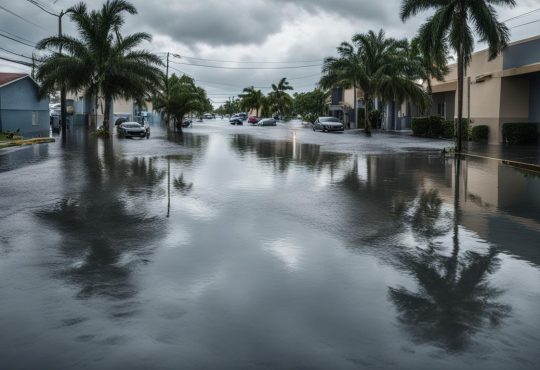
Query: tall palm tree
pixel 102 62
pixel 279 92
pixel 379 66
pixel 451 26
pixel 343 71
pixel 252 99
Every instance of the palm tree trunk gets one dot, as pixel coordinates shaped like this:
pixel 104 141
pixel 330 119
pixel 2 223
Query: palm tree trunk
pixel 366 113
pixel 107 112
pixel 356 108
pixel 460 99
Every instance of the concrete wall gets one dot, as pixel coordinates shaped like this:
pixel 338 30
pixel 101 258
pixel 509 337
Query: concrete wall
pixel 20 108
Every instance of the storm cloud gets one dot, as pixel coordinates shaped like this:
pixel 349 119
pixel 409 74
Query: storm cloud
pixel 237 30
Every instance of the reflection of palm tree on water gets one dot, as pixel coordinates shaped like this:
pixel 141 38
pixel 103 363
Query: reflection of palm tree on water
pixel 454 298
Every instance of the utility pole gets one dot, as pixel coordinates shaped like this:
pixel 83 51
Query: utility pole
pixel 63 111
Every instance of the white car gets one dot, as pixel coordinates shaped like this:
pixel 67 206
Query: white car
pixel 132 129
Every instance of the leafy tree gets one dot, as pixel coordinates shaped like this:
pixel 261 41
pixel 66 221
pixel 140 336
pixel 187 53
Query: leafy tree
pixel 379 66
pixel 310 105
pixel 450 26
pixel 180 98
pixel 102 62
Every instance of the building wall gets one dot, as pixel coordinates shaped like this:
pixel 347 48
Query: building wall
pixel 20 108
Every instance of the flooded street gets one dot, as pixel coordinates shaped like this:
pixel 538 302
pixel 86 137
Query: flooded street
pixel 259 247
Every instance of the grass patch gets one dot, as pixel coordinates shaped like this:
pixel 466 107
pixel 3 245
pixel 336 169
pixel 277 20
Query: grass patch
pixel 4 136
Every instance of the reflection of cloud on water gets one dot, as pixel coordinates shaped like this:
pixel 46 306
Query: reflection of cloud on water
pixel 286 251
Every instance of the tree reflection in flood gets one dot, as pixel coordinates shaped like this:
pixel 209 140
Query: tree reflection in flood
pixel 454 298
pixel 103 236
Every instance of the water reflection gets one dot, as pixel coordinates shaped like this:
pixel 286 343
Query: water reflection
pixel 454 297
pixel 105 234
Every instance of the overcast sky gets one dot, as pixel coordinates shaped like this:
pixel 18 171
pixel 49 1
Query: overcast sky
pixel 241 30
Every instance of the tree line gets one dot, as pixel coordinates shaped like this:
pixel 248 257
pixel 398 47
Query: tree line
pixel 102 62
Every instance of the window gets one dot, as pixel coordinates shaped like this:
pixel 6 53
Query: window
pixel 441 109
pixel 35 120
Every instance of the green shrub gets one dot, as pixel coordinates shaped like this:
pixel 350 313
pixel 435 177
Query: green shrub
pixel 448 131
pixel 480 133
pixel 101 132
pixel 519 133
pixel 427 126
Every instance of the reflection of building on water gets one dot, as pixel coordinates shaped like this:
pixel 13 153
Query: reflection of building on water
pixel 498 202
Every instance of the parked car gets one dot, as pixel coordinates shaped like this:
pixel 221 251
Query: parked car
pixel 209 116
pixel 328 124
pixel 253 120
pixel 236 121
pixel 242 116
pixel 267 122
pixel 132 129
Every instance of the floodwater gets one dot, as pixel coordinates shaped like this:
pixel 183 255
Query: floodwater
pixel 229 249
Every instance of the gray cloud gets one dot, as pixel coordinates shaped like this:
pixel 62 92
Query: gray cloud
pixel 284 30
pixel 349 9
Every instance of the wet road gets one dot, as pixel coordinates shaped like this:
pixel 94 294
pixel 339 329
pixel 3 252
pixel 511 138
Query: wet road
pixel 247 247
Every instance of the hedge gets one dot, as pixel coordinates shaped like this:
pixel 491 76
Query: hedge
pixel 448 130
pixel 519 133
pixel 436 127
pixel 479 133
pixel 427 126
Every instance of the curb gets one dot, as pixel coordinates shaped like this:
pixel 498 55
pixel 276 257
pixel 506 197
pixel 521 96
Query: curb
pixel 38 140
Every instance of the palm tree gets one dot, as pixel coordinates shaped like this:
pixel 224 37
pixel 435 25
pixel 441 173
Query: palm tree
pixel 451 26
pixel 377 65
pixel 102 62
pixel 343 71
pixel 180 97
pixel 280 96
pixel 432 63
pixel 251 99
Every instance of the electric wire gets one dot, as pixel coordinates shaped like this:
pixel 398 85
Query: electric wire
pixel 22 18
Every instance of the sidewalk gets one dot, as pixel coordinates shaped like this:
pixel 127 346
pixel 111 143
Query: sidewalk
pixel 527 154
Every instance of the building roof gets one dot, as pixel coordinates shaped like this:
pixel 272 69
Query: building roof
pixel 6 78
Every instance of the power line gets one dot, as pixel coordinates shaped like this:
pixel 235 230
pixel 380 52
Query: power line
pixel 14 53
pixel 42 7
pixel 521 15
pixel 222 67
pixel 20 42
pixel 17 36
pixel 23 18
pixel 16 61
pixel 252 61
pixel 525 24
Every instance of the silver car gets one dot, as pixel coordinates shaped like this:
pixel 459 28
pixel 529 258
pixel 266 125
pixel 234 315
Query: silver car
pixel 267 122
pixel 325 124
pixel 132 129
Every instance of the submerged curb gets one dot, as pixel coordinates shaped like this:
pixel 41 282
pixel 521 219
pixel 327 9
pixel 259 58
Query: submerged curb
pixel 37 140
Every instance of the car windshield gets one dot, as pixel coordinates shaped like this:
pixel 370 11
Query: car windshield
pixel 329 119
pixel 131 125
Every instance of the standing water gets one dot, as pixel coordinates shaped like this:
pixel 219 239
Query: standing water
pixel 220 249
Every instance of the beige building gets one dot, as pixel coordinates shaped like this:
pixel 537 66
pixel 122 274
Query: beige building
pixel 506 89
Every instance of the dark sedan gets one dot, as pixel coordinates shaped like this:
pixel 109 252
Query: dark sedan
pixel 326 124
pixel 132 129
